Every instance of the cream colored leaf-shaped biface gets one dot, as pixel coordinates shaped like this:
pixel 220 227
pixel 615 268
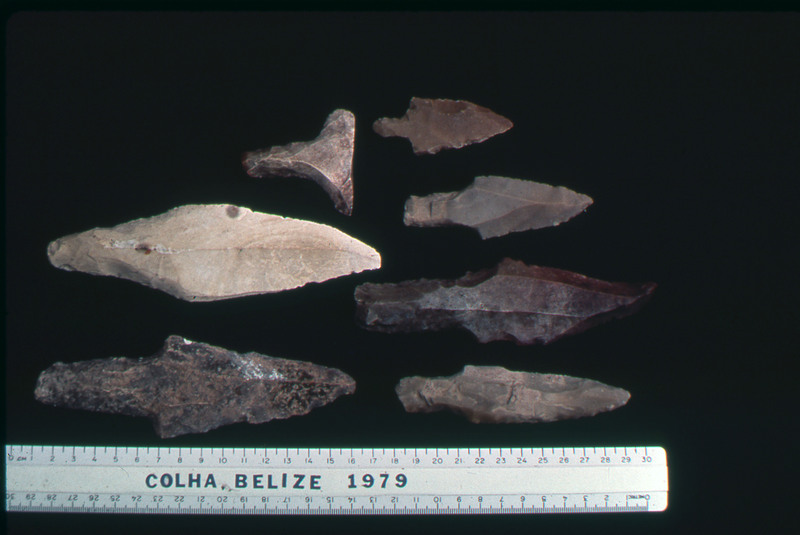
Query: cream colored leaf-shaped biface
pixel 213 252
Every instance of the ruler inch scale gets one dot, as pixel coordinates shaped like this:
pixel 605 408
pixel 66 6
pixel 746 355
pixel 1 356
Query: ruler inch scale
pixel 336 481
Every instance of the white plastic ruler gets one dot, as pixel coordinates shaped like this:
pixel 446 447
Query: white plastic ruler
pixel 335 480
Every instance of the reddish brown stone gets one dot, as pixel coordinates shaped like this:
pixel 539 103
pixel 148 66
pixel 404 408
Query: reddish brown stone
pixel 513 301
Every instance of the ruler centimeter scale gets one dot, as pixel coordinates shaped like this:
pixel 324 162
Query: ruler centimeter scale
pixel 335 480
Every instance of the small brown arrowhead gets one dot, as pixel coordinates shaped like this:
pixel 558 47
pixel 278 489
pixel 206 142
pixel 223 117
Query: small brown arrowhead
pixel 435 124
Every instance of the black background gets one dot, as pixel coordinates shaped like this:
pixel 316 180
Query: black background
pixel 684 128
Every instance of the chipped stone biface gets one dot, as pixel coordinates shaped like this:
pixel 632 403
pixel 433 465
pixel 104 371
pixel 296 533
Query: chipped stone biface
pixel 492 394
pixel 435 124
pixel 513 301
pixel 327 160
pixel 212 252
pixel 496 206
pixel 190 387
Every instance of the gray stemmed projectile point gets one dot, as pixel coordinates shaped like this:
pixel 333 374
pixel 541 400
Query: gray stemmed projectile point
pixel 491 394
pixel 496 206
